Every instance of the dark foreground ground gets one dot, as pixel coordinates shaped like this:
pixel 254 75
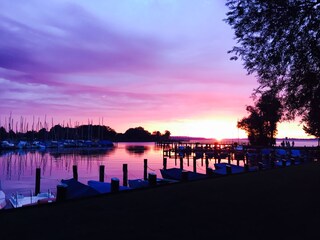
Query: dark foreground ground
pixel 273 204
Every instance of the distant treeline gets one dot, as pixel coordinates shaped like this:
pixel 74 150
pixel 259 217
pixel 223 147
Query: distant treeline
pixel 84 132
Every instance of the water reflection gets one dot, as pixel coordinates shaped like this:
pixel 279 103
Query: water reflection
pixel 137 149
pixel 18 168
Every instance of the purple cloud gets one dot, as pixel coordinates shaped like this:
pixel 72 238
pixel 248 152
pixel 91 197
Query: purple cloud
pixel 80 43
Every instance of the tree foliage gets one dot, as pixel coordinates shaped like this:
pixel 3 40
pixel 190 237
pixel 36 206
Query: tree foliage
pixel 311 126
pixel 279 41
pixel 261 124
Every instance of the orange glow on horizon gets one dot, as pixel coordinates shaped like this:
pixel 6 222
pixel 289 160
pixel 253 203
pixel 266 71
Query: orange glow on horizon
pixel 220 129
pixel 207 128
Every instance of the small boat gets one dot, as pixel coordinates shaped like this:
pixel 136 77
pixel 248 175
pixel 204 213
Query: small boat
pixel 106 143
pixel 281 154
pixel 137 149
pixel 141 183
pixel 76 189
pixel 7 145
pixel 104 187
pixel 19 200
pixel 221 168
pixel 176 174
pixel 3 201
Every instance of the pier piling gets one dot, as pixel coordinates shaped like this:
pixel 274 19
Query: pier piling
pixel 145 169
pixel 246 167
pixel 184 176
pixel 101 173
pixel 152 178
pixel 207 162
pixel 38 175
pixel 164 163
pixel 61 192
pixel 228 169
pixel 181 162
pixel 125 174
pixel 209 171
pixel 194 164
pixel 75 172
pixel 114 184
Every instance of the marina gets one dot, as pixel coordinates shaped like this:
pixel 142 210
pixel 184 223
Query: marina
pixel 24 174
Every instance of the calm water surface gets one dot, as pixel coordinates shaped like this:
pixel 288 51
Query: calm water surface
pixel 18 168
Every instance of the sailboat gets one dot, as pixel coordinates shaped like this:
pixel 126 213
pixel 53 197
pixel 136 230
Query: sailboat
pixel 3 201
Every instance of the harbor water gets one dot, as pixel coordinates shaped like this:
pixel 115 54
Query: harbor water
pixel 18 168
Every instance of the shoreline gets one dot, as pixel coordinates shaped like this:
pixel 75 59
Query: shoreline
pixel 282 202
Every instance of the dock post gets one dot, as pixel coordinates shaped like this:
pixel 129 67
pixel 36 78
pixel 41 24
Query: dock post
pixel 194 164
pixel 145 169
pixel 125 174
pixel 184 176
pixel 62 192
pixel 228 169
pixel 75 172
pixel 207 162
pixel 152 178
pixel 164 163
pixel 181 162
pixel 101 173
pixel 114 184
pixel 209 172
pixel 229 158
pixel 246 167
pixel 38 174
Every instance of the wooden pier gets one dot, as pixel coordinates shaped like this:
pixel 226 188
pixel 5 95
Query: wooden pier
pixel 231 152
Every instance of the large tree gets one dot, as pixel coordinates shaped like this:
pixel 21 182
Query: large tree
pixel 311 126
pixel 261 124
pixel 279 41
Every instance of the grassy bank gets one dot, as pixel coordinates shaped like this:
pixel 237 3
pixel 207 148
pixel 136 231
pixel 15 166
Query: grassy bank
pixel 261 205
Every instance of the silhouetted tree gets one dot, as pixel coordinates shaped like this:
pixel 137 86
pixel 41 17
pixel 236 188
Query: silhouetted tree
pixel 312 119
pixel 156 135
pixel 261 124
pixel 3 134
pixel 42 134
pixel 57 132
pixel 137 134
pixel 167 134
pixel 280 42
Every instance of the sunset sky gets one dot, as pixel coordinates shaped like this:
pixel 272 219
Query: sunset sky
pixel 159 64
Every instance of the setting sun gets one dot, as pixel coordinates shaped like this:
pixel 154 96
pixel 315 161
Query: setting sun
pixel 210 128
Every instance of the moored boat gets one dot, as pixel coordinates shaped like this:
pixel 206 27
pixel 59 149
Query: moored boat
pixel 3 201
pixel 176 174
pixel 19 200
pixel 104 187
pixel 221 168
